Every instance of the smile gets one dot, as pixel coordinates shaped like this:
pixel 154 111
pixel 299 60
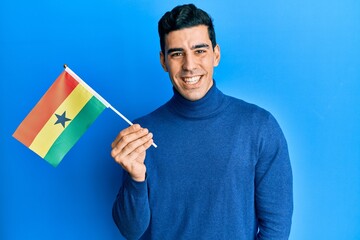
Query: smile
pixel 191 80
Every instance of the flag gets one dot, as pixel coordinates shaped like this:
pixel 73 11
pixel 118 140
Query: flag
pixel 60 118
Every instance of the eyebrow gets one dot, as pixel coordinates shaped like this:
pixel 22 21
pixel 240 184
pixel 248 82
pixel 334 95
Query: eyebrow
pixel 202 45
pixel 171 50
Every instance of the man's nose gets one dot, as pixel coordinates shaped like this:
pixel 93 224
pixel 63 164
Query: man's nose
pixel 189 62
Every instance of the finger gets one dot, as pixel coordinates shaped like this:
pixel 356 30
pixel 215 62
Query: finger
pixel 131 142
pixel 141 149
pixel 132 158
pixel 138 146
pixel 127 137
pixel 124 132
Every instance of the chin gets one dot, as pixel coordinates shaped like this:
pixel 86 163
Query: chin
pixel 193 96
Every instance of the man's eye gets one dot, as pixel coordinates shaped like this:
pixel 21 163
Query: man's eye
pixel 176 54
pixel 200 51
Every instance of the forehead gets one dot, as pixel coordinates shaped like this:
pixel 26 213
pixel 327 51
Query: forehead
pixel 187 37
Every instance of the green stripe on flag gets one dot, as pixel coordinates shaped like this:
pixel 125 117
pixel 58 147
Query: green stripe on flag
pixel 74 131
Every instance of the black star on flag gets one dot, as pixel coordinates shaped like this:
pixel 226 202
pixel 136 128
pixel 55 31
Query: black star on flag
pixel 62 119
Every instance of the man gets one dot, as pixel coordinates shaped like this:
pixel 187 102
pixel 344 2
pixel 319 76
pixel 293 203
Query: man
pixel 221 169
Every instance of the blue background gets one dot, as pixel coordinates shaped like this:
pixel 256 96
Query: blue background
pixel 298 59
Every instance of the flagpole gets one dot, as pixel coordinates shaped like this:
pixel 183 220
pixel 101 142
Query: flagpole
pixel 101 99
pixel 126 120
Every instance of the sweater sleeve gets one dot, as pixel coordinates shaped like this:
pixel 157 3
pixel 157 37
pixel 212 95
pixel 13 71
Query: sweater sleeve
pixel 273 183
pixel 131 211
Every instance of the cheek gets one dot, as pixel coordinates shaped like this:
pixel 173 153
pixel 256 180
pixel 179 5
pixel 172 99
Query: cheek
pixel 208 60
pixel 208 63
pixel 173 68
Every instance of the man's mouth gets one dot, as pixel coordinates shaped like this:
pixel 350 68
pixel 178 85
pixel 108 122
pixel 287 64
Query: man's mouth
pixel 191 80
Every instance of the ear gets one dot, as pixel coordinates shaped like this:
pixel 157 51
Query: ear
pixel 216 55
pixel 162 61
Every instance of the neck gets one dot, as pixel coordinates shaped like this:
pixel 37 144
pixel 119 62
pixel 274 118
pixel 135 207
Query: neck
pixel 208 105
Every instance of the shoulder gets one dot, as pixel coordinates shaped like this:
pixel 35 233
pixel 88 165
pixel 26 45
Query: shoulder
pixel 253 117
pixel 260 122
pixel 247 110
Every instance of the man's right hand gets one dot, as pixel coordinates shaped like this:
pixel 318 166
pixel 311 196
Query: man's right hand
pixel 129 150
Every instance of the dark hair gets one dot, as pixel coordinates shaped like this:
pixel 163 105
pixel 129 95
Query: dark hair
pixel 184 16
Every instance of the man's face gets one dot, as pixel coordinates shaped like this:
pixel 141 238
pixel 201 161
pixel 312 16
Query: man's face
pixel 189 58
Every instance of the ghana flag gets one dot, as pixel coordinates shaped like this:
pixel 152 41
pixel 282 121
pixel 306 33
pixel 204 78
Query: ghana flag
pixel 60 118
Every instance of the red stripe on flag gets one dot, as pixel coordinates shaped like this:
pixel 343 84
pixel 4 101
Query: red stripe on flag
pixel 45 108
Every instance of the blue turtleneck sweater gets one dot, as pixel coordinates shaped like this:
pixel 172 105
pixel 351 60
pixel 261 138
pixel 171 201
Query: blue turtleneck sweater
pixel 221 171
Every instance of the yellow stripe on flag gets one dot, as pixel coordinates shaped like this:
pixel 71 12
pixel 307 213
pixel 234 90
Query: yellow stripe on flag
pixel 51 131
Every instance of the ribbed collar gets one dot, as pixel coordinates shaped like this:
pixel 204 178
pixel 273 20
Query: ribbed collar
pixel 212 103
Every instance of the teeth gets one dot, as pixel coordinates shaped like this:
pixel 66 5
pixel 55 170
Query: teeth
pixel 192 80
